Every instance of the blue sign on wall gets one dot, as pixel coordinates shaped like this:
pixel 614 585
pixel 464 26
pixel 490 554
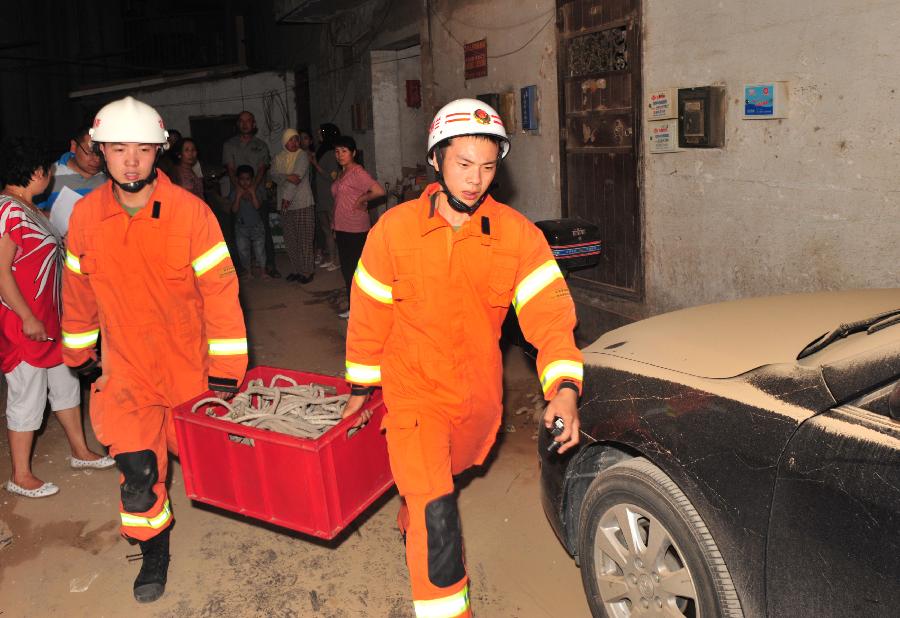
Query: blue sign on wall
pixel 529 108
pixel 759 100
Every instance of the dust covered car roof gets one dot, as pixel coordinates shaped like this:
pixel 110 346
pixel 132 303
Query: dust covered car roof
pixel 724 340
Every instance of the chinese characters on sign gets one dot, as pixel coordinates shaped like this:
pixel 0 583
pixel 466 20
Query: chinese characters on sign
pixel 476 59
pixel 663 104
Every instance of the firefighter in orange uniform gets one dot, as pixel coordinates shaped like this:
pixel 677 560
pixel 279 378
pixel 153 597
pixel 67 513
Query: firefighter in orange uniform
pixel 435 281
pixel 148 272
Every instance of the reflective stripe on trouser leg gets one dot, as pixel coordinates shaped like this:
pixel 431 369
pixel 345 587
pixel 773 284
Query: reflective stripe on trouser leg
pixel 433 562
pixel 147 430
pixel 455 605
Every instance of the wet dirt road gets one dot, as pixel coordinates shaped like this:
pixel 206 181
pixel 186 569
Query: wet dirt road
pixel 62 556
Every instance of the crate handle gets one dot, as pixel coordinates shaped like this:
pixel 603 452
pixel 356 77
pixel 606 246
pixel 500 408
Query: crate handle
pixel 354 430
pixel 238 439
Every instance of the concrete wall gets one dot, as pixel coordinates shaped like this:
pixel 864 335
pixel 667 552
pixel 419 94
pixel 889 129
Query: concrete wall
pixel 413 120
pixel 810 202
pixel 343 75
pixel 400 131
pixel 269 96
pixel 530 175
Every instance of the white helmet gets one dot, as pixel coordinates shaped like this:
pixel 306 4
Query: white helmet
pixel 129 121
pixel 467 117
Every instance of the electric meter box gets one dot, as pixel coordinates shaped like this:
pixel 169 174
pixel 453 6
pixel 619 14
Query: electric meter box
pixel 701 117
pixel 766 100
pixel 663 135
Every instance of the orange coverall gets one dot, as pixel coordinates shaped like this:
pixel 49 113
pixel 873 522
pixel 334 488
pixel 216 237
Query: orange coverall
pixel 427 307
pixel 161 289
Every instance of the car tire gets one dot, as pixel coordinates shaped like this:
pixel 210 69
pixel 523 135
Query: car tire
pixel 680 573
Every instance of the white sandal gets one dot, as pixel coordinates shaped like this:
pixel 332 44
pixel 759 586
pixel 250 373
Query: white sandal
pixel 96 464
pixel 47 489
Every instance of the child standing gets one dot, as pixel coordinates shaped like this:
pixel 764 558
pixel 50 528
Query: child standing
pixel 249 231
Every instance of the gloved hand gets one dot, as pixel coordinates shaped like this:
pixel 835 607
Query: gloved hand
pixel 223 388
pixel 89 371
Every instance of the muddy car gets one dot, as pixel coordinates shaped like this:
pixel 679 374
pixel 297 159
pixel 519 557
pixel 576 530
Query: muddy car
pixel 739 459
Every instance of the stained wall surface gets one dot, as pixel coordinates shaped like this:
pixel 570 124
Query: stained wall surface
pixel 805 203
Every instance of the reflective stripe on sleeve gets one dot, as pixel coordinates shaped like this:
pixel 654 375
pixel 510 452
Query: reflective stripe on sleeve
pixel 78 341
pixel 210 259
pixel 73 263
pixel 363 374
pixel 446 607
pixel 534 282
pixel 372 286
pixel 226 347
pixel 561 369
pixel 137 521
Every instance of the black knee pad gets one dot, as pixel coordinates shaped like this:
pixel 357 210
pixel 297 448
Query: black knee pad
pixel 141 474
pixel 445 554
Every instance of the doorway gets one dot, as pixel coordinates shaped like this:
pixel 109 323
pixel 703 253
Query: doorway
pixel 598 44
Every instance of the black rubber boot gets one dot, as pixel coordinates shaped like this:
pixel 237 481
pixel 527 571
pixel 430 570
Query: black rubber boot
pixel 151 581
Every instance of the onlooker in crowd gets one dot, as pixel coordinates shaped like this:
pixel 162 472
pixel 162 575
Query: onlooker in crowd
pixel 185 153
pixel 30 351
pixel 352 190
pixel 246 149
pixel 326 172
pixel 79 170
pixel 168 162
pixel 246 203
pixel 173 138
pixel 291 171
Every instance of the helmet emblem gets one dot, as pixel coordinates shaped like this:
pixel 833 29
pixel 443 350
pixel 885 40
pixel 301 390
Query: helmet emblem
pixel 161 125
pixel 96 122
pixel 481 116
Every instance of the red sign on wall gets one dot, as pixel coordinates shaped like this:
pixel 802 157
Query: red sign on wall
pixel 476 59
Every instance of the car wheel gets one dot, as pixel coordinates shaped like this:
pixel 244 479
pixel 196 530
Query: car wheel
pixel 644 550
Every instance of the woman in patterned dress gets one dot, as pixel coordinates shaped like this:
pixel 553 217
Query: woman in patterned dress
pixel 31 257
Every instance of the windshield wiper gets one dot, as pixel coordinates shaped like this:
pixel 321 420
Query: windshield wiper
pixel 870 325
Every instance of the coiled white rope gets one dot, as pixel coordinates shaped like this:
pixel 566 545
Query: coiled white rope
pixel 303 410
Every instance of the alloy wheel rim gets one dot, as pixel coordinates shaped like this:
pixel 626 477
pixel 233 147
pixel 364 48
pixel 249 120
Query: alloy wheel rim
pixel 641 571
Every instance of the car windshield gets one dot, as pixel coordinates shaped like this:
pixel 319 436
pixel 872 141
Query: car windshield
pixel 870 325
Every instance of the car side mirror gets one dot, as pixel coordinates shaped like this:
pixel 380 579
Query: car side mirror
pixel 894 402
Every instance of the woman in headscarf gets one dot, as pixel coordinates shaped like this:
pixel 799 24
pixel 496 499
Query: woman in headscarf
pixel 290 171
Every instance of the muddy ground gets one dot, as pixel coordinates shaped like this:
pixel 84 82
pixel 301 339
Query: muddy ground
pixel 62 556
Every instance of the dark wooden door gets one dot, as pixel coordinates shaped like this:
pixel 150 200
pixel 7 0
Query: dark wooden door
pixel 599 104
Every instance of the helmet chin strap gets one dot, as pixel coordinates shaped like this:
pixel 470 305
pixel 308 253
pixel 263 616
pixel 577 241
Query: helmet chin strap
pixel 137 185
pixel 455 203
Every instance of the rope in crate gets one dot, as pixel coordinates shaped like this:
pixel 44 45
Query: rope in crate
pixel 302 410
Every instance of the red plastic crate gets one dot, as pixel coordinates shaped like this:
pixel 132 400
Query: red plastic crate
pixel 313 486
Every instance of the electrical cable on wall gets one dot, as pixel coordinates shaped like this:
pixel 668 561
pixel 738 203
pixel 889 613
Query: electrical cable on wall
pixel 273 107
pixel 231 99
pixel 375 32
pixel 505 26
pixel 503 55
